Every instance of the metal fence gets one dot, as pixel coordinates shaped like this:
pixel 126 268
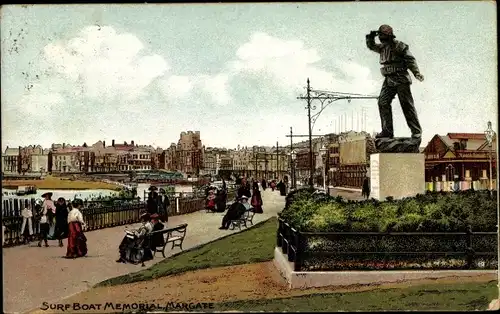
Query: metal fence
pixel 95 217
pixel 330 251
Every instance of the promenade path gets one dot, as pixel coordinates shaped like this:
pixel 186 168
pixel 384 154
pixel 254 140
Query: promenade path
pixel 32 275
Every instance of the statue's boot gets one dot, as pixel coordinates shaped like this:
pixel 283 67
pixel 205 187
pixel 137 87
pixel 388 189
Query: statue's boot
pixel 416 136
pixel 384 135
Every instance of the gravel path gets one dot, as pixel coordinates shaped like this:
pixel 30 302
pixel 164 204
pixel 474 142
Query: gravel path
pixel 34 275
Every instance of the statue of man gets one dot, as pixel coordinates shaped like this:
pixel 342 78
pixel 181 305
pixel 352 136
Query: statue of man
pixel 395 59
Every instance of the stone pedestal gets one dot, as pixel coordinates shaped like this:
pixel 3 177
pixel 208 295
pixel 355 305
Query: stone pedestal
pixel 396 174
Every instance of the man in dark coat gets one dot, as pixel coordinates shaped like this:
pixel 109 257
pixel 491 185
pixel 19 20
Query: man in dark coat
pixel 282 187
pixel 234 212
pixel 220 200
pixel 365 191
pixel 264 184
pixel 244 190
pixel 396 60
pixel 152 202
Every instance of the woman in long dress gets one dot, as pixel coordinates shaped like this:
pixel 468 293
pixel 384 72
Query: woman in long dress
pixel 77 242
pixel 48 209
pixel 256 201
pixel 61 231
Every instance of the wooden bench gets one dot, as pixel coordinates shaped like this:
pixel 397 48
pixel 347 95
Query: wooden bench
pixel 247 217
pixel 174 235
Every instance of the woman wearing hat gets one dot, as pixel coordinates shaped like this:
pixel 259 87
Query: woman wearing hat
pixel 61 230
pixel 152 201
pixel 128 243
pixel 77 242
pixel 48 210
pixel 210 201
pixel 256 201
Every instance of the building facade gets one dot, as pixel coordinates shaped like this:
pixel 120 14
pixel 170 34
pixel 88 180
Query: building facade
pixel 189 152
pixel 459 156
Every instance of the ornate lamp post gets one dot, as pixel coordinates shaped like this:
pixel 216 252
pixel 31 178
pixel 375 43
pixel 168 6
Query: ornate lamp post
pixel 325 98
pixel 323 151
pixel 489 133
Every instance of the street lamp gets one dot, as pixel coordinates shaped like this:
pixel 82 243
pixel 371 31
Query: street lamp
pixel 323 151
pixel 489 133
pixel 325 98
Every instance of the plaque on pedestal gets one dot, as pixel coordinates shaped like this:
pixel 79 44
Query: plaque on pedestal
pixel 397 175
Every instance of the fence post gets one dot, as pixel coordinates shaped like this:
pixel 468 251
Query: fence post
pixel 470 249
pixel 300 248
pixel 278 232
pixel 284 239
pixel 291 240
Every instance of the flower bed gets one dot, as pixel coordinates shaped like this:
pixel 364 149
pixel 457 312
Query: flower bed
pixel 432 231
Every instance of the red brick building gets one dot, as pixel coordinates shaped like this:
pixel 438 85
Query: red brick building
pixel 466 155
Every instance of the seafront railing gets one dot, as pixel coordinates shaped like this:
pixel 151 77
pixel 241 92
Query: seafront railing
pixel 96 217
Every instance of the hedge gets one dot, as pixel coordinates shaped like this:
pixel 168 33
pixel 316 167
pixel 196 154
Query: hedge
pixel 431 212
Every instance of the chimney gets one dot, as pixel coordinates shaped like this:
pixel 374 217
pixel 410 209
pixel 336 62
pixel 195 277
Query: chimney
pixel 113 143
pixel 103 143
pixel 132 143
pixel 64 145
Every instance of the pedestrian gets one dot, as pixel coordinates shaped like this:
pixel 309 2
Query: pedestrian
pixel 210 201
pixel 256 201
pixel 220 201
pixel 365 191
pixel 164 205
pixel 244 189
pixel 77 242
pixel 152 202
pixel 264 184
pixel 282 187
pixel 61 229
pixel 47 212
pixel 27 225
pixel 396 60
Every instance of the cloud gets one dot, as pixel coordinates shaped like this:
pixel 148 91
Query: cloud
pixel 106 65
pixel 217 87
pixel 177 86
pixel 288 63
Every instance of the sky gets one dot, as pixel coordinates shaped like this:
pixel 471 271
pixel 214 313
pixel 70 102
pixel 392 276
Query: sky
pixel 83 73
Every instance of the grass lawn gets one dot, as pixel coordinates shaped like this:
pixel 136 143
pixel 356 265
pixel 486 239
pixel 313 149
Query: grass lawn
pixel 456 297
pixel 252 245
pixel 59 184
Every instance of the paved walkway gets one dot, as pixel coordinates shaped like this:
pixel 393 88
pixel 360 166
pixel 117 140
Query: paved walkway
pixel 33 275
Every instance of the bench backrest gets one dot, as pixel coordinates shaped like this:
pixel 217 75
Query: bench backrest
pixel 180 229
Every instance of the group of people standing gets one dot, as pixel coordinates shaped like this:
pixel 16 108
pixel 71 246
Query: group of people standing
pixel 158 203
pixel 66 219
pixel 216 198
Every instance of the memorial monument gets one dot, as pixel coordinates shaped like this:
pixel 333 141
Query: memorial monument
pixel 397 170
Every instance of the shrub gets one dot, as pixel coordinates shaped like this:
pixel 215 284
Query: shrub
pixel 433 211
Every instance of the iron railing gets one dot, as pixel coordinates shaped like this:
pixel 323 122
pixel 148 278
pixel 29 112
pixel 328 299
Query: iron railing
pixel 95 217
pixel 328 251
